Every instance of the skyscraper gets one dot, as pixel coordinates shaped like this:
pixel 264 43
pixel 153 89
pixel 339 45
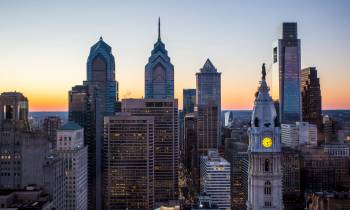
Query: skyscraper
pixel 70 147
pixel 286 74
pixel 311 96
pixel 129 162
pixel 264 151
pixel 166 143
pixel 159 72
pixel 208 103
pixel 189 101
pixel 215 179
pixel 88 104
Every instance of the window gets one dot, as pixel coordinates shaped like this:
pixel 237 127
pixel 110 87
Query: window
pixel 267 188
pixel 268 204
pixel 267 165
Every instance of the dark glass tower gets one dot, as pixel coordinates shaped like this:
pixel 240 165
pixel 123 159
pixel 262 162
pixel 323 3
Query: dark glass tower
pixel 189 100
pixel 159 72
pixel 286 74
pixel 311 96
pixel 88 105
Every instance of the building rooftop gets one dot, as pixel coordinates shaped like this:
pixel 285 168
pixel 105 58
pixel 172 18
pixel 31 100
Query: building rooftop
pixel 70 126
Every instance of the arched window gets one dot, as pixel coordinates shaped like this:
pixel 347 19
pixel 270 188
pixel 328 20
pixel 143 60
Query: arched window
pixel 267 165
pixel 267 188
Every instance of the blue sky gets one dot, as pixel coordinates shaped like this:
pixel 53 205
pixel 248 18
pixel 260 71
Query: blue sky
pixel 46 44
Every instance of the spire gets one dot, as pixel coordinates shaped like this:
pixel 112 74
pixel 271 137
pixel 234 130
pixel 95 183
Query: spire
pixel 263 72
pixel 159 39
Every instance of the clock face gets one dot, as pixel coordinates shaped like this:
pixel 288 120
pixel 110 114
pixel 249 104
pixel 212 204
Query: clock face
pixel 266 142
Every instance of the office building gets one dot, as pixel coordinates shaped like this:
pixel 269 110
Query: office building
pixel 189 100
pixel 265 168
pixel 88 105
pixel 70 147
pixel 166 144
pixel 25 199
pixel 236 154
pixel 300 133
pixel 286 75
pixel 208 106
pixel 159 72
pixel 204 202
pixel 50 126
pixel 215 179
pixel 328 201
pixel 311 96
pixel 292 195
pixel 128 162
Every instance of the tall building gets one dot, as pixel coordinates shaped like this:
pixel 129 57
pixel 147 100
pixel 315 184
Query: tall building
pixel 292 195
pixel 129 162
pixel 311 96
pixel 236 154
pixel 208 104
pixel 300 133
pixel 189 100
pixel 70 147
pixel 166 143
pixel 14 111
pixel 50 126
pixel 159 72
pixel 88 104
pixel 215 179
pixel 264 150
pixel 286 74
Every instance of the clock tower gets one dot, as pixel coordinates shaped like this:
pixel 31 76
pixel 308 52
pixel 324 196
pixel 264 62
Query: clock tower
pixel 265 170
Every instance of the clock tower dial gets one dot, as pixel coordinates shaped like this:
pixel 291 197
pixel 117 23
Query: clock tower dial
pixel 266 142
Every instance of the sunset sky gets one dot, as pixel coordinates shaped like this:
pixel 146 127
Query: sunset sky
pixel 44 44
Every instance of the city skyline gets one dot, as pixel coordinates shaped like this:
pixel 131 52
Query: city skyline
pixel 52 52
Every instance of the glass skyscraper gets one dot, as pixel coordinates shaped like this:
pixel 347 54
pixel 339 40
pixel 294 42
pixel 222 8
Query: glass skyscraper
pixel 88 105
pixel 286 74
pixel 208 104
pixel 159 72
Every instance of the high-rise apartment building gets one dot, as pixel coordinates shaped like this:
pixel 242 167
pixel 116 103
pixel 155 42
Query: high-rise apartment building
pixel 264 151
pixel 70 147
pixel 286 74
pixel 300 133
pixel 215 179
pixel 88 105
pixel 311 96
pixel 166 143
pixel 189 100
pixel 159 72
pixel 128 162
pixel 208 103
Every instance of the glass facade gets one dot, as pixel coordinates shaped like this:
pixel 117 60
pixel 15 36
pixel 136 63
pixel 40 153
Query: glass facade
pixel 286 75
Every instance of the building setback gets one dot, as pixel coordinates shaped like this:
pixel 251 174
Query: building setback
pixel 129 162
pixel 311 96
pixel 159 72
pixel 166 143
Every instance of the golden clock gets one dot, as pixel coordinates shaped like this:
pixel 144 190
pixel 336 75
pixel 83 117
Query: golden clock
pixel 266 142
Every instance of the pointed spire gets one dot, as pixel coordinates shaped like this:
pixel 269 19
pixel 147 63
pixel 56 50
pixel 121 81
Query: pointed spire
pixel 159 39
pixel 263 72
